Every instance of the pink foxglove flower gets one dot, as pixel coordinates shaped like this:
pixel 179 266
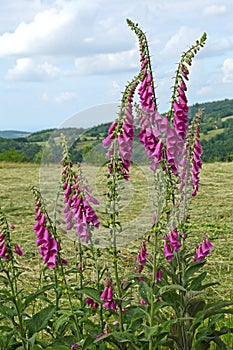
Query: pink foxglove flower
pixel 48 244
pixel 196 166
pixel 203 250
pixel 120 138
pixel 159 275
pixel 106 296
pixel 173 240
pixel 78 211
pixel 142 256
pixel 92 303
pixel 167 252
pixel 3 248
pixel 18 250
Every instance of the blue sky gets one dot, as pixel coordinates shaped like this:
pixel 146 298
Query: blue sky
pixel 61 57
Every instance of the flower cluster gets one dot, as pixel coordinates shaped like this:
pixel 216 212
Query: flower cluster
pixel 171 244
pixel 106 296
pixel 142 257
pixel 92 303
pixel 203 250
pixel 181 107
pixel 3 248
pixel 77 197
pixel 48 244
pixel 121 135
pixel 196 166
pixel 174 149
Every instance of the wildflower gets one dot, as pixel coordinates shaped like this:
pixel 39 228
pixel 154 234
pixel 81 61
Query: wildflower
pixel 143 302
pixel 142 256
pixel 167 252
pixel 159 275
pixel 18 250
pixel 181 110
pixel 3 248
pixel 106 296
pixel 174 149
pixel 49 246
pixel 120 137
pixel 196 166
pixel 92 303
pixel 78 210
pixel 203 250
pixel 173 240
pixel 73 346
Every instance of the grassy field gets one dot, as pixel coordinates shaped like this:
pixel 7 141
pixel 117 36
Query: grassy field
pixel 210 213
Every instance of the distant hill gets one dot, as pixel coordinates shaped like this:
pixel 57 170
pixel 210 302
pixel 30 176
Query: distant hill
pixel 13 134
pixel 19 146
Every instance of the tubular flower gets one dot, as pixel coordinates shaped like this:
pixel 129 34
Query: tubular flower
pixel 142 257
pixel 173 240
pixel 84 216
pixel 174 149
pixel 77 198
pixel 203 250
pixel 92 303
pixel 167 252
pixel 159 275
pixel 121 135
pixel 181 108
pixel 106 296
pixel 3 248
pixel 196 166
pixel 149 119
pixel 48 244
pixel 18 250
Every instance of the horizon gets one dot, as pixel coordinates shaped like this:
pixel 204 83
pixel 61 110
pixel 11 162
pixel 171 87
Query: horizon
pixel 54 63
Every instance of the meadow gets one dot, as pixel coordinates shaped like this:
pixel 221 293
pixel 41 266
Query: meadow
pixel 210 213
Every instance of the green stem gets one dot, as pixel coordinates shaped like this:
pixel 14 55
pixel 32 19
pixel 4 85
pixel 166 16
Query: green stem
pixel 15 302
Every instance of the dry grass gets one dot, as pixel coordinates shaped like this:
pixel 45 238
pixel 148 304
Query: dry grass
pixel 210 212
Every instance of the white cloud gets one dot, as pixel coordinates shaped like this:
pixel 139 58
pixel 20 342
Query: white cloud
pixel 106 63
pixel 26 69
pixel 66 28
pixel 227 70
pixel 204 90
pixel 178 42
pixel 214 10
pixel 216 47
pixel 64 96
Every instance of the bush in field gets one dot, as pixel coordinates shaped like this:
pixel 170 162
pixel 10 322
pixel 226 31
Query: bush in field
pixel 98 303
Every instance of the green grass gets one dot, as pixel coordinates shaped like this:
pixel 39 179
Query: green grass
pixel 211 134
pixel 210 212
pixel 228 117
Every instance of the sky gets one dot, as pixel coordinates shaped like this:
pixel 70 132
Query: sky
pixel 61 58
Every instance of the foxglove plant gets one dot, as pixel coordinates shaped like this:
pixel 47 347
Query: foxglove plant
pixel 45 240
pixel 77 198
pixel 167 143
pixel 157 303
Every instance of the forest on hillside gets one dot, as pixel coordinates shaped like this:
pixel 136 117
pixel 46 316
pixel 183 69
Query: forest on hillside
pixel 216 138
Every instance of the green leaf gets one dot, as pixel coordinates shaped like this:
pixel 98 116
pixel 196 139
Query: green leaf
pixel 7 312
pixel 134 313
pixel 196 282
pixel 87 342
pixel 57 347
pixel 31 297
pixel 145 291
pixel 171 287
pixel 91 292
pixel 192 269
pixel 40 320
pixel 64 318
